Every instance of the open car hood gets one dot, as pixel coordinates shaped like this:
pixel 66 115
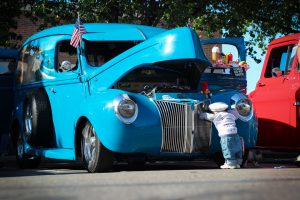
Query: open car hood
pixel 175 44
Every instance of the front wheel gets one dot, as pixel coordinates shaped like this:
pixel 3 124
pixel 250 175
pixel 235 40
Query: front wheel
pixel 95 156
pixel 25 160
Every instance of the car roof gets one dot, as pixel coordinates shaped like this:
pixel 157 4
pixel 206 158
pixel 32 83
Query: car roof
pixel 8 53
pixel 287 38
pixel 138 30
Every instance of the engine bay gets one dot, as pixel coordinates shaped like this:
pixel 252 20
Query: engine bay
pixel 166 77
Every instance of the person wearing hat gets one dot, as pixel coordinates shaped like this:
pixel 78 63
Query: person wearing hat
pixel 224 120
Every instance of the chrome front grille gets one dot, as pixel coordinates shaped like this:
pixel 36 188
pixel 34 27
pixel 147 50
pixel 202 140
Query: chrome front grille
pixel 182 130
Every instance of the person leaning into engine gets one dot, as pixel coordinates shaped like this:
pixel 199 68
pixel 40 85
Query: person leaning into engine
pixel 224 120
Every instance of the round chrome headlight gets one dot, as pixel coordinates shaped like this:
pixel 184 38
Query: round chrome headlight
pixel 243 106
pixel 125 109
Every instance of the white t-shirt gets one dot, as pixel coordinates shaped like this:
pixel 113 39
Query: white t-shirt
pixel 224 121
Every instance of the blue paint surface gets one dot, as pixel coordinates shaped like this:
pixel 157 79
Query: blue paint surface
pixel 88 93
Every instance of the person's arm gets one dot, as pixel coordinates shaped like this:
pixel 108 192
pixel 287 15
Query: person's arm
pixel 207 116
pixel 234 112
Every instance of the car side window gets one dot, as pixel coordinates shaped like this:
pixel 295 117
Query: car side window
pixel 291 57
pixel 7 65
pixel 66 56
pixel 280 61
pixel 29 64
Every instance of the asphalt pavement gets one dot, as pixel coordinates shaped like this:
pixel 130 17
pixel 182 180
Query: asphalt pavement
pixel 272 179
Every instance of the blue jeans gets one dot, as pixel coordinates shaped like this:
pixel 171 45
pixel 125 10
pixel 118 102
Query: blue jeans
pixel 232 149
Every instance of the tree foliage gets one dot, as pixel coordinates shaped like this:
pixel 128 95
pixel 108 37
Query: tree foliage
pixel 9 11
pixel 261 20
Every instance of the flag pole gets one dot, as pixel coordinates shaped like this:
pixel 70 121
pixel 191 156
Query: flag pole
pixel 80 48
pixel 78 20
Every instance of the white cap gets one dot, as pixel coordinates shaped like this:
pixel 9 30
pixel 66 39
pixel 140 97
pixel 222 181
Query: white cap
pixel 218 106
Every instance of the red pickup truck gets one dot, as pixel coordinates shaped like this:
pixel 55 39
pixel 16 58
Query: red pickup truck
pixel 276 97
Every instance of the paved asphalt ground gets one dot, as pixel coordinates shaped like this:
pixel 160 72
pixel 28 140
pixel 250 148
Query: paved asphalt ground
pixel 159 181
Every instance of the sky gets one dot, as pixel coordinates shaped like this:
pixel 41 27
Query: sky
pixel 253 73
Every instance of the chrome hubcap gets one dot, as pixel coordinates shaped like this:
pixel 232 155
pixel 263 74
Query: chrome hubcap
pixel 28 121
pixel 89 140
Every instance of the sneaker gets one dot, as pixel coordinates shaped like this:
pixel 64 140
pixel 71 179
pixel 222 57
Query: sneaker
pixel 226 166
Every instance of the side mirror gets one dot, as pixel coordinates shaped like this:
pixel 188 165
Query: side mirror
pixel 276 72
pixel 65 66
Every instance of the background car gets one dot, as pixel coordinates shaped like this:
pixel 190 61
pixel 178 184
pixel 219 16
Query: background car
pixel 7 67
pixel 276 97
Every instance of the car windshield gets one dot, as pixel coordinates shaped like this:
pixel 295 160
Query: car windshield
pixel 98 53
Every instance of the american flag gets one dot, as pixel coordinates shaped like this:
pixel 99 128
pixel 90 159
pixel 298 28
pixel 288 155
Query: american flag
pixel 79 30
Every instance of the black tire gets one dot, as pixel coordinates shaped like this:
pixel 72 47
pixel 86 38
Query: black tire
pixel 37 115
pixel 24 160
pixel 95 156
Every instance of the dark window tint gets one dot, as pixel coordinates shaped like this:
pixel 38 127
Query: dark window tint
pixel 98 53
pixel 66 52
pixel 7 65
pixel 280 61
pixel 165 77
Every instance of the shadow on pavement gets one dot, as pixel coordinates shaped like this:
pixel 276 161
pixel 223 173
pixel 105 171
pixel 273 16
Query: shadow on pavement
pixel 62 167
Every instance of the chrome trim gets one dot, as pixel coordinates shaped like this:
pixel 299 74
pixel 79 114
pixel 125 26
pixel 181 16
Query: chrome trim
pixel 28 121
pixel 182 130
pixel 235 99
pixel 89 143
pixel 116 103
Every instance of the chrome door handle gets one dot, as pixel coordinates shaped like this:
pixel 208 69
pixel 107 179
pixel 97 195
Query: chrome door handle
pixel 52 90
pixel 261 84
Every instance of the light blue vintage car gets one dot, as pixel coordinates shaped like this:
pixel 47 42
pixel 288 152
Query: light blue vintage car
pixel 130 92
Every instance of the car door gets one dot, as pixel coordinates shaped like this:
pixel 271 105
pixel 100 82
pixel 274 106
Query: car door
pixel 66 92
pixel 273 98
pixel 295 98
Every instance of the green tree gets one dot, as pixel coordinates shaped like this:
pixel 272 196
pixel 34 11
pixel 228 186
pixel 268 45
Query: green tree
pixel 263 20
pixel 10 10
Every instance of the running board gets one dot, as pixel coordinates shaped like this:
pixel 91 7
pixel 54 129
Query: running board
pixel 65 154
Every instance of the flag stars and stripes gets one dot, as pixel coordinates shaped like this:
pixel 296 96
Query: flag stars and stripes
pixel 79 30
